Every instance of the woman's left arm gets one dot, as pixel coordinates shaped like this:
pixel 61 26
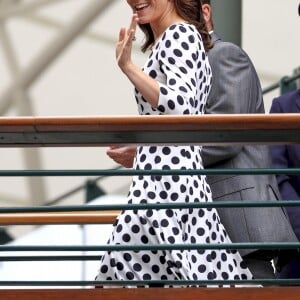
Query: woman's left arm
pixel 181 63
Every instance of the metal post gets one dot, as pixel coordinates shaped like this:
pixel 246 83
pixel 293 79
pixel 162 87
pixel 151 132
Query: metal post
pixel 297 71
pixel 227 16
pixel 92 191
pixel 288 84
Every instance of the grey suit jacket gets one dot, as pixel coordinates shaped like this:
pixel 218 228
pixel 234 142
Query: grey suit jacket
pixel 236 89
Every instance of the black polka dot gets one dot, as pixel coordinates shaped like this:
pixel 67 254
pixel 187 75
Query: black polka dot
pixel 129 275
pixel 146 258
pixel 155 269
pixel 202 268
pixel 135 229
pixel 137 267
pixel 127 257
pixel 104 269
pixel 126 238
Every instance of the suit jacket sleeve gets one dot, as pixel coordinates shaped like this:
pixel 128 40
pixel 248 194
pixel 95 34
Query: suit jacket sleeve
pixel 279 160
pixel 232 92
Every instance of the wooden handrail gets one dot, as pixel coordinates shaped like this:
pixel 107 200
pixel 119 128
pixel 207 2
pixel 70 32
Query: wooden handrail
pixel 267 293
pixel 38 218
pixel 107 130
pixel 141 123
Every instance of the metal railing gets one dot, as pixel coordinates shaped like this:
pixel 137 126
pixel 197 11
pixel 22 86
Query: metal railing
pixel 99 131
pixel 286 84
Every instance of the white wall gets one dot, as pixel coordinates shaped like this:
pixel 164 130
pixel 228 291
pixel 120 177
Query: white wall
pixel 271 37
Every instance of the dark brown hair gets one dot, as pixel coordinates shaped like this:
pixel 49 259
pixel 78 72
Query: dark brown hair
pixel 189 10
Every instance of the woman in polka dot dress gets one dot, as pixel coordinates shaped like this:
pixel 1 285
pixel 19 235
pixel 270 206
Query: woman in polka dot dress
pixel 174 81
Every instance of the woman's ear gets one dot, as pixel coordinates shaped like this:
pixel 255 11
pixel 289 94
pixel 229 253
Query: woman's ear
pixel 206 11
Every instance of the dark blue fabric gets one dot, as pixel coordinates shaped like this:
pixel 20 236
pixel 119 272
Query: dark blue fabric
pixel 288 156
pixel 290 270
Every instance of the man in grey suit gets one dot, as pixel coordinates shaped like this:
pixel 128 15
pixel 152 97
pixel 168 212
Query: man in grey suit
pixel 236 90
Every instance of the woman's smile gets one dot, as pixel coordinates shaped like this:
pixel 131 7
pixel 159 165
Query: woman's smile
pixel 141 7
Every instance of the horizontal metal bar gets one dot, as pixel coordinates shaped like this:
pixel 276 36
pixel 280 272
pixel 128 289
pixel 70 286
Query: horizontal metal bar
pixel 286 79
pixel 217 137
pixel 270 88
pixel 195 283
pixel 78 188
pixel 132 172
pixel 143 206
pixel 233 246
pixel 290 79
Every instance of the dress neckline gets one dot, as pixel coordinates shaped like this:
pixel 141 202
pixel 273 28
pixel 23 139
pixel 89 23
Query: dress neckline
pixel 161 35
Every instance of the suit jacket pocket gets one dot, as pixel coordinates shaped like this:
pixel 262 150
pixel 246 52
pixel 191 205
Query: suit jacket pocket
pixel 224 186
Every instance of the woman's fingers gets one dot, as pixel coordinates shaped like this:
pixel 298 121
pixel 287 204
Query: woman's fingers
pixel 131 37
pixel 122 34
pixel 133 23
pixel 123 49
pixel 132 28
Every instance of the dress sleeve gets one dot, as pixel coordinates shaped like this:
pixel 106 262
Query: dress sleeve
pixel 178 58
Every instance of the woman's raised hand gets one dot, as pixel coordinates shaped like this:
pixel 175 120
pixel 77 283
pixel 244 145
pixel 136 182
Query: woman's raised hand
pixel 124 45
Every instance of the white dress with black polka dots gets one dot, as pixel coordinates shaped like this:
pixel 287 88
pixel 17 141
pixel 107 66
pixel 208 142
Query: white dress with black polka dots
pixel 179 63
